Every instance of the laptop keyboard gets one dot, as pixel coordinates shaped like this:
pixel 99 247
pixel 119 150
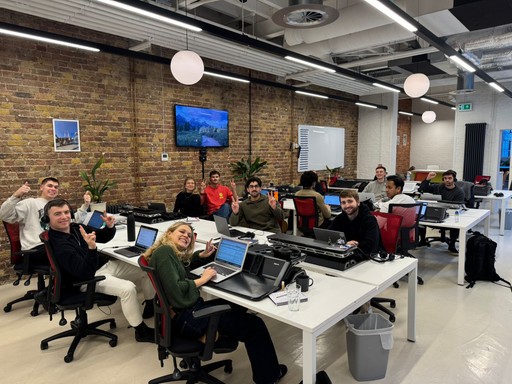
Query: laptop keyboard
pixel 222 270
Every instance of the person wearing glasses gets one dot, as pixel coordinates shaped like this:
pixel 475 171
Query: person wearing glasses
pixel 258 211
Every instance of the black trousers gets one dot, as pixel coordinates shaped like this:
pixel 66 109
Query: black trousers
pixel 241 326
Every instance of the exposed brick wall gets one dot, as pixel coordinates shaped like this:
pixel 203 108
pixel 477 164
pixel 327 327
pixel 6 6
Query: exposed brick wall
pixel 403 152
pixel 125 108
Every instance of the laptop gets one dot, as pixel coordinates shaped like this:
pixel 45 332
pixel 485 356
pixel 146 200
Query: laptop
pixel 410 187
pixel 365 196
pixel 221 223
pixel 145 239
pixel 333 201
pixel 229 259
pixel 433 214
pixel 329 236
pixel 159 207
pixel 430 196
pixel 95 220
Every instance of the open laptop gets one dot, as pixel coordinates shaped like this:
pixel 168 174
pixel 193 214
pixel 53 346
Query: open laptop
pixel 229 259
pixel 433 214
pixel 95 220
pixel 329 236
pixel 430 196
pixel 333 201
pixel 364 196
pixel 159 207
pixel 410 187
pixel 145 239
pixel 221 223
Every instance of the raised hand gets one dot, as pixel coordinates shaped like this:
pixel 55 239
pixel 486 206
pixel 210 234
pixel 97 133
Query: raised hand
pixel 109 220
pixel 87 198
pixel 431 175
pixel 272 202
pixel 22 191
pixel 210 248
pixel 90 238
pixel 235 206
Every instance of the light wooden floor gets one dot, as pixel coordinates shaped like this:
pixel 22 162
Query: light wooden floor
pixel 463 336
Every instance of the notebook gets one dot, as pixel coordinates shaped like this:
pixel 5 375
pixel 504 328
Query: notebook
pixel 95 220
pixel 434 214
pixel 329 236
pixel 145 239
pixel 221 223
pixel 333 201
pixel 229 259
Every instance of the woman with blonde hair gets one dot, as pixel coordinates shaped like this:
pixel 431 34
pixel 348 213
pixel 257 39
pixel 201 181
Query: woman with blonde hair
pixel 170 254
pixel 188 201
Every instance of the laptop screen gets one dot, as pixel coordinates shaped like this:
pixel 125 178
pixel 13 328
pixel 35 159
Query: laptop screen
pixel 146 237
pixel 332 199
pixel 232 252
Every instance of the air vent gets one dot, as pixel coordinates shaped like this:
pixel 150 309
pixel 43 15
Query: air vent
pixel 305 14
pixel 465 84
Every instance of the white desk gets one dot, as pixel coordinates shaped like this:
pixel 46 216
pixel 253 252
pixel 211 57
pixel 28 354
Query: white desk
pixel 467 220
pixel 288 204
pixel 503 199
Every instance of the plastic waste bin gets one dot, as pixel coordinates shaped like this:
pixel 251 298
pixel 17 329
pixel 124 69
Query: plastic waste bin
pixel 508 218
pixel 369 340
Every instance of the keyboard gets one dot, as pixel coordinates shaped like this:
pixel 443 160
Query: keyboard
pixel 221 270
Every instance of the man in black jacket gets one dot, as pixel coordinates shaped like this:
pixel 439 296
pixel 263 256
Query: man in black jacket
pixel 356 221
pixel 74 248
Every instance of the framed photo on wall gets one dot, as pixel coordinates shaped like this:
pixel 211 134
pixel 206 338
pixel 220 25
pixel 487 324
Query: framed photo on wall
pixel 66 135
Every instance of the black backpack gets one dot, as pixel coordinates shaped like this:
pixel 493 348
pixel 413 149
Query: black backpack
pixel 480 259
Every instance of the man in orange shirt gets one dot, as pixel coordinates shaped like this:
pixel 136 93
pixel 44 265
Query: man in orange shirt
pixel 216 197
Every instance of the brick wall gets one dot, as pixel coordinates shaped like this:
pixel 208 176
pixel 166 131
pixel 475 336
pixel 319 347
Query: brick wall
pixel 125 108
pixel 403 152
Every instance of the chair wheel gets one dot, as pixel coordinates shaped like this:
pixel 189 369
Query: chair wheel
pixel 113 324
pixel 34 312
pixel 396 285
pixel 392 304
pixel 44 345
pixel 228 368
pixel 420 281
pixel 62 322
pixel 113 343
pixel 183 364
pixel 68 358
pixel 392 319
pixel 8 308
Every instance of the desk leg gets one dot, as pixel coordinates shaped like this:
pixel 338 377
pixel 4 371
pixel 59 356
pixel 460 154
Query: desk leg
pixel 411 304
pixel 503 215
pixel 462 256
pixel 308 358
pixel 294 222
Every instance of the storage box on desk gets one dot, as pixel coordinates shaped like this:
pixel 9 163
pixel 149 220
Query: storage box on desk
pixel 369 340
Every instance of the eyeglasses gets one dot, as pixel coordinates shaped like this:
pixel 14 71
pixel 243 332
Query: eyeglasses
pixel 253 186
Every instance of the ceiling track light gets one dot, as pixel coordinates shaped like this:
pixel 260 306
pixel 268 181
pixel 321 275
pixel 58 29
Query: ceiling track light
pixel 151 15
pixel 429 100
pixel 392 15
pixel 462 63
pixel 312 65
pixel 406 113
pixel 386 87
pixel 365 105
pixel 226 77
pixel 47 40
pixel 312 94
pixel 496 87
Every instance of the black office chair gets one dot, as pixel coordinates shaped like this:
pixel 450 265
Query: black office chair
pixel 24 265
pixel 193 352
pixel 409 229
pixel 61 300
pixel 306 210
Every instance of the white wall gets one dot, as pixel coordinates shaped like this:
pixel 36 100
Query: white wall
pixel 377 135
pixel 432 144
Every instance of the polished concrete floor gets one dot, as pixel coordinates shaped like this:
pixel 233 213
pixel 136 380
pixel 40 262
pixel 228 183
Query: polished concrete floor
pixel 463 336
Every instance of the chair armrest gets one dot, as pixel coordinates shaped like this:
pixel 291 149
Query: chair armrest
pixel 214 314
pixel 215 310
pixel 91 289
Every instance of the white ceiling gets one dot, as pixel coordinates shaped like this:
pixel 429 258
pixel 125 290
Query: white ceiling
pixel 361 39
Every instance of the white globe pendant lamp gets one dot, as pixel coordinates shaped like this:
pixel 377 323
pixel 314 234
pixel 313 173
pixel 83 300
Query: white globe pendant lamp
pixel 416 85
pixel 187 67
pixel 428 117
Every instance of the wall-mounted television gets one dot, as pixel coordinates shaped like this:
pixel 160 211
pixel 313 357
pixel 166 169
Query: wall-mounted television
pixel 201 127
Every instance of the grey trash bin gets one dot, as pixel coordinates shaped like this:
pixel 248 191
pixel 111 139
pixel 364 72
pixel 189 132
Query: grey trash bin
pixel 369 339
pixel 508 218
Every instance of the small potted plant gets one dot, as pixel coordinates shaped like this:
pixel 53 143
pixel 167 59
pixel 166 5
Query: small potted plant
pixel 96 187
pixel 334 173
pixel 244 169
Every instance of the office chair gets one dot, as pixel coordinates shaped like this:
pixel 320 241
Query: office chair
pixel 307 214
pixel 409 229
pixel 24 266
pixel 389 228
pixel 469 192
pixel 191 351
pixel 62 300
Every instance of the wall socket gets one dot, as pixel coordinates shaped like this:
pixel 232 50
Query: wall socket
pixel 165 156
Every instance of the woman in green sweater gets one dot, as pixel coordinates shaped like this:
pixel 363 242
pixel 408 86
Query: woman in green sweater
pixel 170 254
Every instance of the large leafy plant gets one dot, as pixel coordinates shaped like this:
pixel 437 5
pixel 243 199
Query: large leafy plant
pixel 96 187
pixel 244 169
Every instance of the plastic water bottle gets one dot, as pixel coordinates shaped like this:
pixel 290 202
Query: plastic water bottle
pixel 130 225
pixel 457 216
pixel 408 177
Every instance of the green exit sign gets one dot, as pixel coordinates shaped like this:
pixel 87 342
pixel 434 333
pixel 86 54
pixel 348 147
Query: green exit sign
pixel 465 107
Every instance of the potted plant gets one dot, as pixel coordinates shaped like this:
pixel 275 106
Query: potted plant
pixel 96 187
pixel 334 173
pixel 244 169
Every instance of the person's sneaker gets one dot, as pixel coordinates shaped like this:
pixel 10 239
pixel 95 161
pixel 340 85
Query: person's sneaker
pixel 144 334
pixel 149 310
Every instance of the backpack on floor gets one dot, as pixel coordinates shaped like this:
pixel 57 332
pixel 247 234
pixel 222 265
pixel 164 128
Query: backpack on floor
pixel 480 259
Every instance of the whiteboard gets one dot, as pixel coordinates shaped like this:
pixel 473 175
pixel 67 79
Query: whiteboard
pixel 321 146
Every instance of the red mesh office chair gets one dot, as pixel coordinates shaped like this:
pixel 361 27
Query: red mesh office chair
pixel 61 300
pixel 307 214
pixel 191 351
pixel 479 178
pixel 24 266
pixel 389 227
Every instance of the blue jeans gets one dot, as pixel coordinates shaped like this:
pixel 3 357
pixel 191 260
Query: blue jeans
pixel 224 211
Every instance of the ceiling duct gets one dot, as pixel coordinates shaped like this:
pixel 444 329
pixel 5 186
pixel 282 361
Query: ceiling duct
pixel 465 84
pixel 305 14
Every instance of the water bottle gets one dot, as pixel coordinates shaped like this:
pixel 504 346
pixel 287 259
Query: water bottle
pixel 130 226
pixel 408 177
pixel 457 216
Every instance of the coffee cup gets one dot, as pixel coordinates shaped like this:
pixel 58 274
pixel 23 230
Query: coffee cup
pixel 304 281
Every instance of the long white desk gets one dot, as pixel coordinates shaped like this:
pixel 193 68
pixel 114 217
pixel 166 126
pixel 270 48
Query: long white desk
pixel 504 200
pixel 334 295
pixel 467 220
